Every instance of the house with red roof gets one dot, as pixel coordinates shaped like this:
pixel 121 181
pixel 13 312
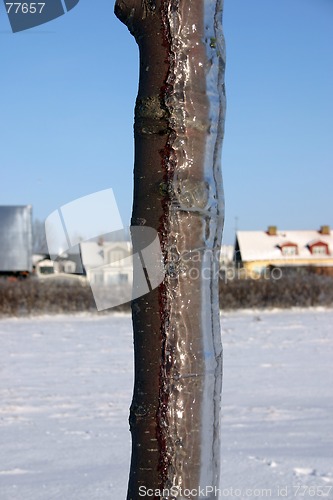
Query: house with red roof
pixel 257 251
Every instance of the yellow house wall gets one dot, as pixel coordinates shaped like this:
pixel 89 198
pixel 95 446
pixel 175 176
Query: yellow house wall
pixel 254 266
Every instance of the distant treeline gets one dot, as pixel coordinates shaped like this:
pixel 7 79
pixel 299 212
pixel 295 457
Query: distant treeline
pixel 34 296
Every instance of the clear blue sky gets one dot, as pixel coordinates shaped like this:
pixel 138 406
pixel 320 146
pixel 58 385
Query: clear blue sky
pixel 66 111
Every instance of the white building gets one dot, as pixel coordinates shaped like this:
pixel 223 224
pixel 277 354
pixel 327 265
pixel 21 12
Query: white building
pixel 66 265
pixel 226 256
pixel 108 263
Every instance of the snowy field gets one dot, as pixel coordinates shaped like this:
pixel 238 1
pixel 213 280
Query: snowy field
pixel 66 384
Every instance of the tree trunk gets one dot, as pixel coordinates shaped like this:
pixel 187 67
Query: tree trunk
pixel 179 116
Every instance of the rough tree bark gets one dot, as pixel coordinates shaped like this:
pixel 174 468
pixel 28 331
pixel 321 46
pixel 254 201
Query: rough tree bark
pixel 179 117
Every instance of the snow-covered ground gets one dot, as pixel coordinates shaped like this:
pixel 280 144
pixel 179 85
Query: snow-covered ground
pixel 66 384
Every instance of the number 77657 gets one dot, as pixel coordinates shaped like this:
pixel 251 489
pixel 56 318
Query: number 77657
pixel 25 8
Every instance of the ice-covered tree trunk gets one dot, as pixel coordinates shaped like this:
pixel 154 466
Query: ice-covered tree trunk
pixel 179 115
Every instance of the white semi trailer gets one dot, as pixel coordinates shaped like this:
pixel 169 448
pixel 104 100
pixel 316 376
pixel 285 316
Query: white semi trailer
pixel 15 241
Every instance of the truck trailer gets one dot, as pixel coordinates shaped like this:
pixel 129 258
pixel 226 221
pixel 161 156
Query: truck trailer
pixel 15 241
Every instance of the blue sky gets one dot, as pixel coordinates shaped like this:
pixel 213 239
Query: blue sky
pixel 66 110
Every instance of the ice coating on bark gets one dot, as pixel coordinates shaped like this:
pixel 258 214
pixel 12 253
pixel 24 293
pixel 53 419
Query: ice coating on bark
pixel 179 117
pixel 195 102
